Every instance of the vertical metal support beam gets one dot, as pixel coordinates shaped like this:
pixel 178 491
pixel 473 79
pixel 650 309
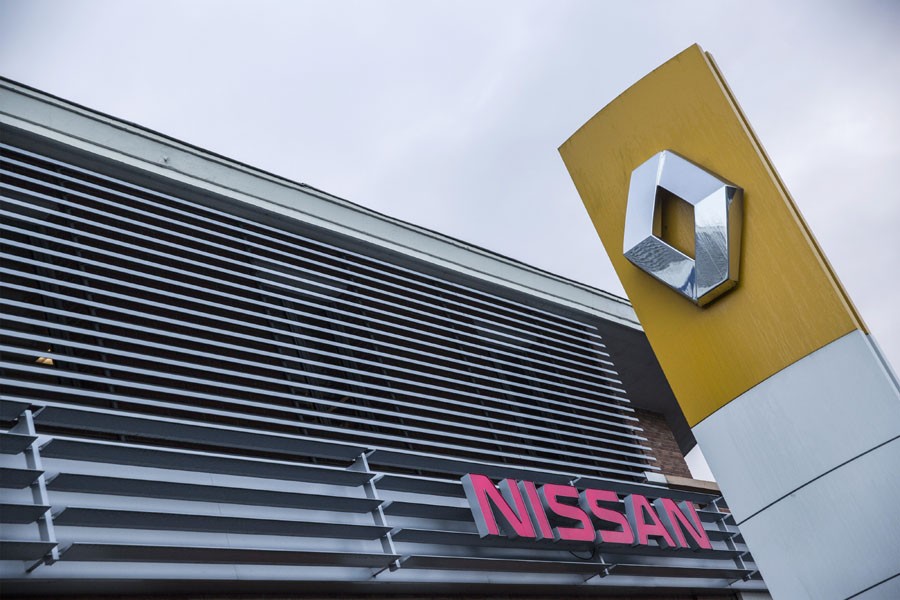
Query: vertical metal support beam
pixel 38 490
pixel 361 464
pixel 729 541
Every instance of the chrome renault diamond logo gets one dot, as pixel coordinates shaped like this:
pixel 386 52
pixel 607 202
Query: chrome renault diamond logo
pixel 717 227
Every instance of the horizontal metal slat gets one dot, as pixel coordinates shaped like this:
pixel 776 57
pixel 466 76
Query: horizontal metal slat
pixel 193 432
pixel 412 423
pixel 544 419
pixel 21 513
pixel 148 488
pixel 404 299
pixel 457 466
pixel 129 519
pixel 210 382
pixel 191 460
pixel 649 490
pixel 13 478
pixel 210 555
pixel 414 535
pixel 428 511
pixel 420 485
pixel 186 325
pixel 498 406
pixel 590 397
pixel 729 533
pixel 226 219
pixel 371 439
pixel 420 333
pixel 15 443
pixel 461 563
pixel 711 516
pixel 669 571
pixel 12 410
pixel 470 539
pixel 24 549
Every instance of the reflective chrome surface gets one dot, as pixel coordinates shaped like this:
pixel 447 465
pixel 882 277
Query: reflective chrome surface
pixel 717 227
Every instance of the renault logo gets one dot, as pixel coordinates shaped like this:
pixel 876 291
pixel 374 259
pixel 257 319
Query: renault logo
pixel 717 227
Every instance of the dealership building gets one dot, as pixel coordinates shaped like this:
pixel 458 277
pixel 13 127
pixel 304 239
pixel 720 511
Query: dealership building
pixel 217 381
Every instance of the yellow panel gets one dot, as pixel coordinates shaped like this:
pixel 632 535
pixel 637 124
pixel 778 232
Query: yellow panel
pixel 787 303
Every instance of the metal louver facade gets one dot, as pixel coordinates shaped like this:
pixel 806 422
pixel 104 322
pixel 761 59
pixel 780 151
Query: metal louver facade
pixel 201 393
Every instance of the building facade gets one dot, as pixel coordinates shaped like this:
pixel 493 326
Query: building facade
pixel 218 381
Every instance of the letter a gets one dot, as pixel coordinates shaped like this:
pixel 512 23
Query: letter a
pixel 680 518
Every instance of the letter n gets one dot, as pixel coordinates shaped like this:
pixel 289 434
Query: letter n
pixel 484 498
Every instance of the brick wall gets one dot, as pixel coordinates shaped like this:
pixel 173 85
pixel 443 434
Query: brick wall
pixel 659 437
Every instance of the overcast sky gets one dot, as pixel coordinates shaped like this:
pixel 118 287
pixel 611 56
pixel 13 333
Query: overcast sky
pixel 449 114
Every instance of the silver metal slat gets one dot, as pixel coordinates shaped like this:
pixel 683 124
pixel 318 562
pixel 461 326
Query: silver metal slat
pixel 428 510
pixel 129 519
pixel 224 436
pixel 249 325
pixel 10 411
pixel 117 233
pixel 189 325
pixel 711 516
pixel 292 410
pixel 171 284
pixel 24 549
pixel 492 299
pixel 213 383
pixel 465 563
pixel 595 415
pixel 610 551
pixel 302 283
pixel 420 485
pixel 729 533
pixel 280 357
pixel 622 553
pixel 373 440
pixel 198 492
pixel 668 571
pixel 83 551
pixel 21 513
pixel 17 479
pixel 649 490
pixel 193 460
pixel 405 299
pixel 15 443
pixel 305 374
pixel 561 427
pixel 470 539
pixel 525 469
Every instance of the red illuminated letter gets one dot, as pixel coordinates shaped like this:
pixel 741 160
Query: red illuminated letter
pixel 481 493
pixel 645 522
pixel 682 518
pixel 549 494
pixel 590 501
